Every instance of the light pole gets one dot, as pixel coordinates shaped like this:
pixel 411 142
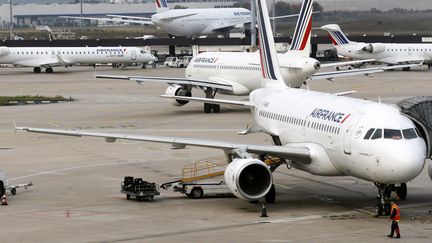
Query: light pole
pixel 81 13
pixel 274 20
pixel 10 20
pixel 253 25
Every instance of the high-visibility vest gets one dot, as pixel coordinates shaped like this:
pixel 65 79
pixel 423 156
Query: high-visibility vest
pixel 397 216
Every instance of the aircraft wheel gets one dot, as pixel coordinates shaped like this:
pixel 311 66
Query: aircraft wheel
pixel 406 69
pixel 207 107
pixel 37 69
pixel 379 210
pixel 128 196
pixel 13 191
pixel 216 108
pixel 402 191
pixel 49 70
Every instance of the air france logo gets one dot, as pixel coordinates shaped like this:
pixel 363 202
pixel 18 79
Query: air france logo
pixel 327 115
pixel 206 60
pixel 242 13
pixel 112 49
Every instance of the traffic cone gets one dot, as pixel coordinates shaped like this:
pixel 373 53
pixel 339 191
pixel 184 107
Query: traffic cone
pixel 4 200
pixel 263 211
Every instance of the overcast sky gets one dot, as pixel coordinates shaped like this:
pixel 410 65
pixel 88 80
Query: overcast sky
pixel 328 4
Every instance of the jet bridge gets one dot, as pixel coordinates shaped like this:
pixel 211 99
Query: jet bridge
pixel 419 110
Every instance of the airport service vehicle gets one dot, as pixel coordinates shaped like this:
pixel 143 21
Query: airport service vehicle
pixel 319 133
pixel 390 53
pixel 49 57
pixel 6 186
pixel 178 62
pixel 139 189
pixel 235 73
pixel 189 22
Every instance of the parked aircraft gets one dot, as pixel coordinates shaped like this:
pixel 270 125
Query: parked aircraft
pixel 188 22
pixel 316 132
pixel 389 53
pixel 235 73
pixel 49 57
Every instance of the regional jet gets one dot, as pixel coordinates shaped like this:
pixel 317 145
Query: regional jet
pixel 49 57
pixel 382 52
pixel 316 132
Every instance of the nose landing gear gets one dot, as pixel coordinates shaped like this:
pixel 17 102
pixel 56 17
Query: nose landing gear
pixel 383 205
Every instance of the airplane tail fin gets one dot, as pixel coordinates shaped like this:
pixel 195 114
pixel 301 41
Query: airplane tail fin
pixel 161 6
pixel 302 33
pixel 269 59
pixel 336 35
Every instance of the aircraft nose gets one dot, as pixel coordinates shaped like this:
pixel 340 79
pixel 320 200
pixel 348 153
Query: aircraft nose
pixel 408 161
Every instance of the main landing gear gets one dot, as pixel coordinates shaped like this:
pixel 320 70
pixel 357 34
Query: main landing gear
pixel 39 69
pixel 383 205
pixel 210 93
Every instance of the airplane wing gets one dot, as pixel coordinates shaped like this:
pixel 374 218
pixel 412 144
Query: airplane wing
pixel 176 16
pixel 39 63
pixel 362 71
pixel 402 59
pixel 335 64
pixel 134 21
pixel 211 101
pixel 127 17
pixel 288 152
pixel 219 84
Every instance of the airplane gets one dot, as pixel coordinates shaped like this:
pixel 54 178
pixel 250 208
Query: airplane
pixel 49 57
pixel 388 53
pixel 316 132
pixel 188 22
pixel 238 73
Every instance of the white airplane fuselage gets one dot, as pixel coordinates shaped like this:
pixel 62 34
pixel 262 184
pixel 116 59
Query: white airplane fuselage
pixel 334 129
pixel 243 71
pixel 196 22
pixel 388 53
pixel 64 56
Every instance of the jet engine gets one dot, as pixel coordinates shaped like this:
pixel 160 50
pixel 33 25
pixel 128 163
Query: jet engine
pixel 374 48
pixel 248 179
pixel 177 90
pixel 4 51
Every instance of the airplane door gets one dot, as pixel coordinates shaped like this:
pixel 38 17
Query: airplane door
pixel 133 55
pixel 409 51
pixel 349 133
pixel 53 54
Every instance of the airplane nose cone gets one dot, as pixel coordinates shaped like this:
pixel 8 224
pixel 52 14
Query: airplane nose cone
pixel 407 162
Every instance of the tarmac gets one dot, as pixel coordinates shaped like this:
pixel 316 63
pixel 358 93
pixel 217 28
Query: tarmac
pixel 76 198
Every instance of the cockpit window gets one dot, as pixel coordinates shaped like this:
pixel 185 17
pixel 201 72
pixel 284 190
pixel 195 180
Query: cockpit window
pixel 377 134
pixel 418 133
pixel 392 134
pixel 369 133
pixel 409 133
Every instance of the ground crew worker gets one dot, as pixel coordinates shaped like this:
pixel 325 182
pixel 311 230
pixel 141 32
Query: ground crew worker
pixel 394 217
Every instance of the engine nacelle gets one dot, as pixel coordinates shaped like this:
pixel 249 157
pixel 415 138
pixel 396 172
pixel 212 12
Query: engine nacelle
pixel 177 90
pixel 4 51
pixel 248 179
pixel 374 48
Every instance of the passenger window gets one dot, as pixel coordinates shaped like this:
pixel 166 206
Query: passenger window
pixel 377 134
pixel 409 133
pixel 369 133
pixel 392 134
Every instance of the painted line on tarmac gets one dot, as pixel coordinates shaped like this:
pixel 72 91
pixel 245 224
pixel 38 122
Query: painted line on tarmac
pixel 69 168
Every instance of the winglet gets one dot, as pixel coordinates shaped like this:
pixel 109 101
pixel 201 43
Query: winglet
pixel 269 60
pixel 302 33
